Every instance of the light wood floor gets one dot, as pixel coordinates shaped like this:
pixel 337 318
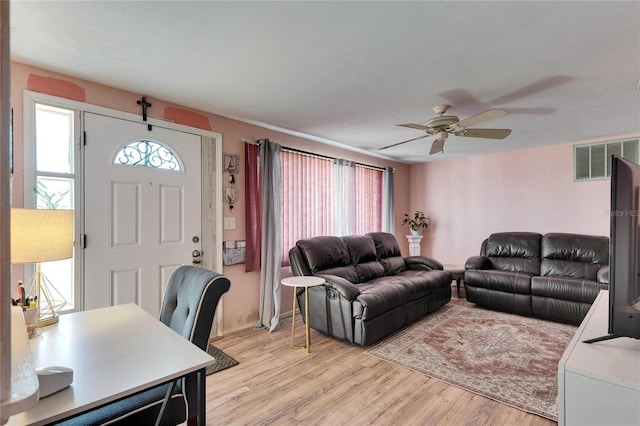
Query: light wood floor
pixel 336 384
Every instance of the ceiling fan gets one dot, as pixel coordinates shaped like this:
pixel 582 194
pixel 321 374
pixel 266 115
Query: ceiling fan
pixel 444 125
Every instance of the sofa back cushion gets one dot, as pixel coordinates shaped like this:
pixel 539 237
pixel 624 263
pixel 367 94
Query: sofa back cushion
pixel 573 255
pixel 362 252
pixel 361 249
pixel 388 252
pixel 328 255
pixel 514 251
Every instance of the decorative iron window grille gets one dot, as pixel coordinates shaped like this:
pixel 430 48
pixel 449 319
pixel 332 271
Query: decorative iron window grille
pixel 147 153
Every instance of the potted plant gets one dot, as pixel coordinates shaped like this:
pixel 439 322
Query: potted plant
pixel 417 222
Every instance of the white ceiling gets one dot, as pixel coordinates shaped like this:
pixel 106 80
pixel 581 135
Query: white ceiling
pixel 347 72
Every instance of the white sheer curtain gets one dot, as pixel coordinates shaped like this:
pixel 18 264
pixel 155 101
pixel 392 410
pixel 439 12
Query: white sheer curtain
pixel 388 223
pixel 271 238
pixel 344 197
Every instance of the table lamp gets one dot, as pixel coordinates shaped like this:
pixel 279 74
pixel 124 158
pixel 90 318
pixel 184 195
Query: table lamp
pixel 42 236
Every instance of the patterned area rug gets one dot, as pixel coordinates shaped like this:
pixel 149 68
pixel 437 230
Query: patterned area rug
pixel 223 360
pixel 509 358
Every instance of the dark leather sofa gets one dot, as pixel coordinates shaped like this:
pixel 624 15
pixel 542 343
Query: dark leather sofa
pixel 371 291
pixel 554 276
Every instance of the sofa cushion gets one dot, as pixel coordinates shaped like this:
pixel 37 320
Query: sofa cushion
pixel 566 288
pixel 505 281
pixel 388 252
pixel 386 244
pixel 379 296
pixel 323 253
pixel 420 283
pixel 572 255
pixel 515 251
pixel 393 265
pixel 361 248
pixel 369 271
pixel 348 272
pixel 362 252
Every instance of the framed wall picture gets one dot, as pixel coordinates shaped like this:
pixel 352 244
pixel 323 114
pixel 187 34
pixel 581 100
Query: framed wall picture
pixel 230 163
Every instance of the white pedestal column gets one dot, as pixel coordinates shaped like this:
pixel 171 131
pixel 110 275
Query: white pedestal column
pixel 414 245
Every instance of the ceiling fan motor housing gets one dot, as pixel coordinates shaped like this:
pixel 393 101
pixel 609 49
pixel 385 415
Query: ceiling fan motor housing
pixel 442 122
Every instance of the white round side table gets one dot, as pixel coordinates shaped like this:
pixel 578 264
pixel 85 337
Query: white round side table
pixel 306 282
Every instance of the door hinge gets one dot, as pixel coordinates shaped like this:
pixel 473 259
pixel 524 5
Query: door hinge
pixel 84 138
pixel 83 241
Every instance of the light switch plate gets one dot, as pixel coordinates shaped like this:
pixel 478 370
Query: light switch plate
pixel 229 223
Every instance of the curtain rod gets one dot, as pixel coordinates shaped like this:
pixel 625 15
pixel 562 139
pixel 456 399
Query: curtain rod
pixel 300 151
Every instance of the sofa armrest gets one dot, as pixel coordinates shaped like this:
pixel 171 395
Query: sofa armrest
pixel 422 262
pixel 345 288
pixel 478 262
pixel 603 275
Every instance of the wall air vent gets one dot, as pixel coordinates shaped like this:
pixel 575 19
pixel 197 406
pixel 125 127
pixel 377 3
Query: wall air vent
pixel 592 161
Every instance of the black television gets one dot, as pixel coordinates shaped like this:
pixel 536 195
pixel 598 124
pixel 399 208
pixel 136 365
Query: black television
pixel 624 251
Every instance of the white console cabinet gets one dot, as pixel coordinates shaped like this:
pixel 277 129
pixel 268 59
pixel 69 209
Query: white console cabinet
pixel 599 383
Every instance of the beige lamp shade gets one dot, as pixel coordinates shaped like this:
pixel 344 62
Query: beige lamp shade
pixel 41 235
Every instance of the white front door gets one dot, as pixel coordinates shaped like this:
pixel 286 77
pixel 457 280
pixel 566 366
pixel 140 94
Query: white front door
pixel 142 210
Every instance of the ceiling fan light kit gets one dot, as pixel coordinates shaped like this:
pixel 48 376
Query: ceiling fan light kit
pixel 443 125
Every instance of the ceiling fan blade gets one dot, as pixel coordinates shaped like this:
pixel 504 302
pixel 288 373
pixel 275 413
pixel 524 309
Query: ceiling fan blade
pixel 533 88
pixel 541 111
pixel 413 126
pixel 460 98
pixel 437 146
pixel 487 133
pixel 400 143
pixel 492 114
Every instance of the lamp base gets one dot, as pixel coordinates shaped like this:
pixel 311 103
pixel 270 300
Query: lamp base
pixel 49 301
pixel 43 322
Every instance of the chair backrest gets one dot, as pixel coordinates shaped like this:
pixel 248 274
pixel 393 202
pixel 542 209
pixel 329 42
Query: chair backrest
pixel 188 307
pixel 190 302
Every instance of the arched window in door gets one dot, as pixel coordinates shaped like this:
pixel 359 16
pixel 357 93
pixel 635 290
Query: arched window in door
pixel 147 153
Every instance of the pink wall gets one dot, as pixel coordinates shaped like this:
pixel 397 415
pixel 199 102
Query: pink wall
pixel 467 198
pixel 527 190
pixel 241 302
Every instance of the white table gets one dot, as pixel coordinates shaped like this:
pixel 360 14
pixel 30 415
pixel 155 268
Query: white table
pixel 599 383
pixel 306 282
pixel 114 352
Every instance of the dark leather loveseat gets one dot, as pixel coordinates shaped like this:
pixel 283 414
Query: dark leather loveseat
pixel 554 276
pixel 371 291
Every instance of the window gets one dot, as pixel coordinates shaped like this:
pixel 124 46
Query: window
pixel 146 153
pixel 368 200
pixel 308 189
pixel 593 161
pixel 54 183
pixel 318 196
pixel 307 200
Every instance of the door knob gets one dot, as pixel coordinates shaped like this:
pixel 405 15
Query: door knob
pixel 196 257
